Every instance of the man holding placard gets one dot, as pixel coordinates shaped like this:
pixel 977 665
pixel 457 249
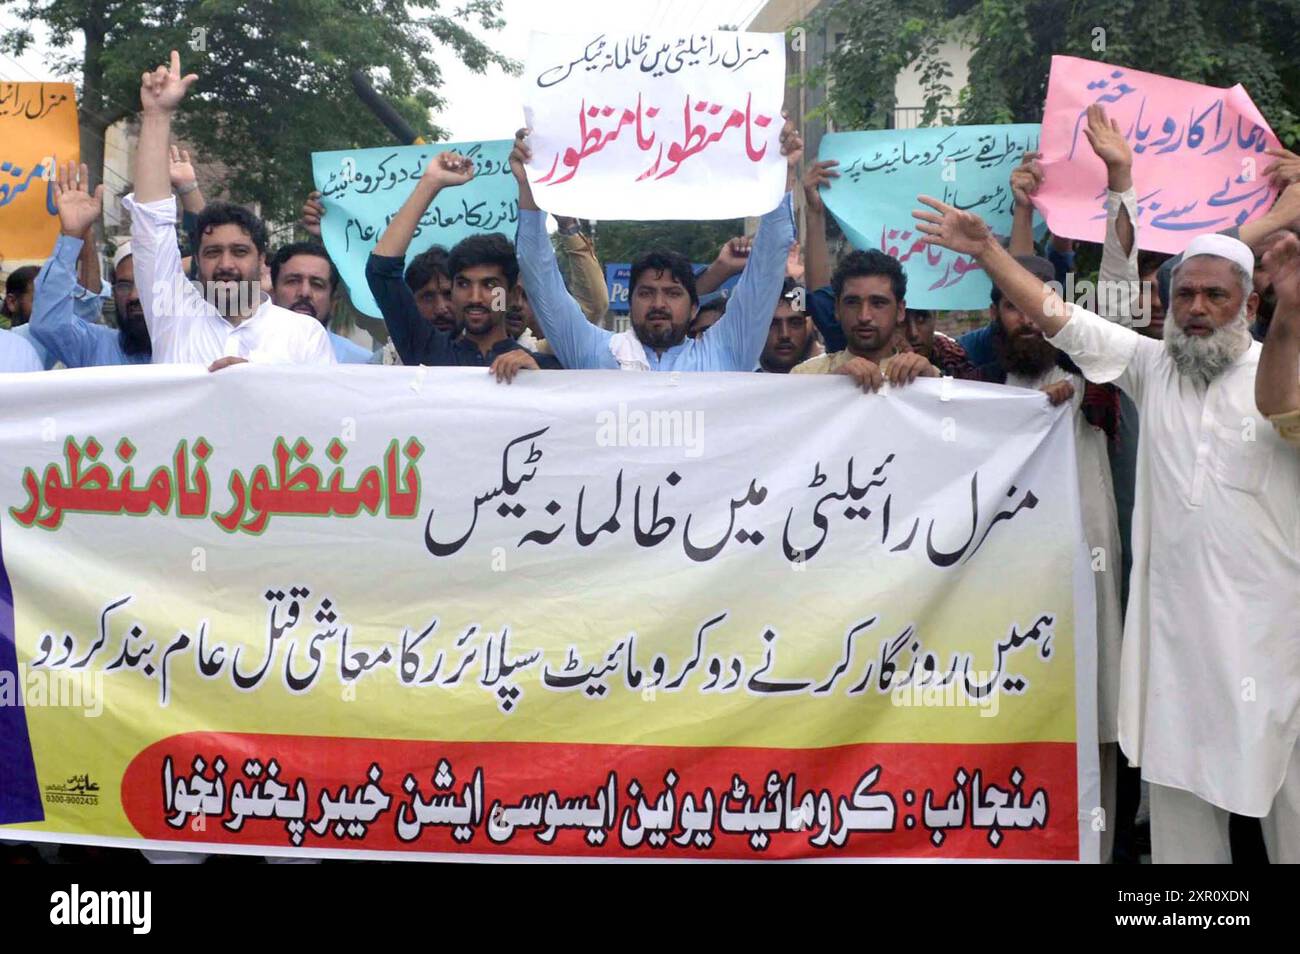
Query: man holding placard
pixel 483 273
pixel 870 289
pixel 662 295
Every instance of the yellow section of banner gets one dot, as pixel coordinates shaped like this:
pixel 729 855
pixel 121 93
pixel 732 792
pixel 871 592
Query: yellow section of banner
pixel 38 128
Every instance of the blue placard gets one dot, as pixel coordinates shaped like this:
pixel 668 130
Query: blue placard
pixel 363 188
pixel 883 171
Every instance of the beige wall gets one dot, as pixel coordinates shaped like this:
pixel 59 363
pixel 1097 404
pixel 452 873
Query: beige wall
pixel 910 96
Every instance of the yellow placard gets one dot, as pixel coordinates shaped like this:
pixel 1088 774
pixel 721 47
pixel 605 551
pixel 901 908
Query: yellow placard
pixel 38 127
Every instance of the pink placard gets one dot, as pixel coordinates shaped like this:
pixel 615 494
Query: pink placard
pixel 1198 154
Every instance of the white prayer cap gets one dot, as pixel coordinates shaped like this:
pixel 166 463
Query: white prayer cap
pixel 1222 246
pixel 122 252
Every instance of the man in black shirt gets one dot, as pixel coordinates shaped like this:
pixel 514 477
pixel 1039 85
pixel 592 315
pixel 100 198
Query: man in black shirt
pixel 483 269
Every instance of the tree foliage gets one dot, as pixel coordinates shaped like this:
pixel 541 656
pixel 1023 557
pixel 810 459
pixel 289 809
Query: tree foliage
pixel 698 241
pixel 878 39
pixel 273 74
pixel 1218 43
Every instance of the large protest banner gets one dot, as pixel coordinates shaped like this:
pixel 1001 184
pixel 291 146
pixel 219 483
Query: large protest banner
pixel 602 615
pixel 362 189
pixel 656 125
pixel 883 171
pixel 1198 154
pixel 38 126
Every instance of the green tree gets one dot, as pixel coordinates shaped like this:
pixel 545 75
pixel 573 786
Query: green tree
pixel 697 240
pixel 878 39
pixel 273 74
pixel 1251 42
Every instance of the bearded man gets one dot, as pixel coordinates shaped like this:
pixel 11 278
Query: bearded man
pixel 1210 672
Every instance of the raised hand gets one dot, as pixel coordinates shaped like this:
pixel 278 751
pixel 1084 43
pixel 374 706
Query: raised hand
pixel 735 253
pixel 818 177
pixel 1105 138
pixel 951 228
pixel 1284 170
pixel 181 169
pixel 792 149
pixel 1110 146
pixel 162 90
pixel 520 155
pixel 1026 178
pixel 1282 263
pixel 79 208
pixel 449 169
pixel 312 211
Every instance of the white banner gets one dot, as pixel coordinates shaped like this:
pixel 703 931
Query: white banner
pixel 656 126
pixel 404 612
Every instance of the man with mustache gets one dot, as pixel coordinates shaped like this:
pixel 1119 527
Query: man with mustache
pixel 521 321
pixel 586 283
pixel 1210 671
pixel 231 320
pixel 1260 235
pixel 791 336
pixel 74 341
pixel 662 293
pixel 936 347
pixel 430 282
pixel 869 289
pixel 303 279
pixel 483 272
pixel 707 315
pixel 426 275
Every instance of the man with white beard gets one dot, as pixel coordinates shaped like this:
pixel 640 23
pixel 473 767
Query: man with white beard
pixel 1210 675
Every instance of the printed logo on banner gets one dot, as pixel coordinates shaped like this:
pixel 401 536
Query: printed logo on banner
pixel 77 790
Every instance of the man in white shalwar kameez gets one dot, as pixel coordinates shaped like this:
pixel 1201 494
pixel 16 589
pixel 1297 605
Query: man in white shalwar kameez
pixel 1210 674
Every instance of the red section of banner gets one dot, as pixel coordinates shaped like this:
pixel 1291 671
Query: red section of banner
pixel 1005 801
